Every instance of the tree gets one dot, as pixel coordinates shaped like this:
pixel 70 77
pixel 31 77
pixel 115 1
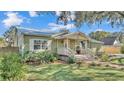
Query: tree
pixel 98 35
pixel 115 18
pixel 2 43
pixel 11 67
pixel 10 35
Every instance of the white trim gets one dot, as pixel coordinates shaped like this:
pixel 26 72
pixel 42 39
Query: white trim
pixel 31 44
pixel 49 42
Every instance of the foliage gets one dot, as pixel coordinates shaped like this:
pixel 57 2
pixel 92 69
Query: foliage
pixel 1 39
pixel 122 49
pixel 92 64
pixel 97 50
pixel 2 43
pixel 104 57
pixel 9 35
pixel 98 35
pixel 11 67
pixel 115 18
pixel 46 56
pixel 120 35
pixel 29 56
pixel 71 59
pixel 43 57
pixel 118 61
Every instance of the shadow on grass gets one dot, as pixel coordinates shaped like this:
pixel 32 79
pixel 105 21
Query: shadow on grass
pixel 67 73
pixel 57 75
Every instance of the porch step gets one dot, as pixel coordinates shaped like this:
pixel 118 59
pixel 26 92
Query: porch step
pixel 84 57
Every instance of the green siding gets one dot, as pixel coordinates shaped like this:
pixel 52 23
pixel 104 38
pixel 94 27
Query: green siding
pixel 28 37
pixel 72 44
pixel 54 46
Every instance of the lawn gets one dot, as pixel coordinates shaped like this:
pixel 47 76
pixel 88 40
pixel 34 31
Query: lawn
pixel 118 62
pixel 66 72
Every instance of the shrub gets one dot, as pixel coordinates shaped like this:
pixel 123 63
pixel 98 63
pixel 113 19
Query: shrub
pixel 92 64
pixel 43 57
pixel 46 56
pixel 120 60
pixel 104 57
pixel 71 59
pixel 12 68
pixel 97 50
pixel 107 65
pixel 122 49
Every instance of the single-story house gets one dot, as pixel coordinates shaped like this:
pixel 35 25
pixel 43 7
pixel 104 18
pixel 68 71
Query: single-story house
pixel 111 45
pixel 111 41
pixel 37 40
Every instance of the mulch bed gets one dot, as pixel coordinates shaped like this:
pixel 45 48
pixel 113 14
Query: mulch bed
pixel 31 62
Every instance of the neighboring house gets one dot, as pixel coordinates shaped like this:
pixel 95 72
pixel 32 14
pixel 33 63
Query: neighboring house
pixel 111 45
pixel 112 41
pixel 120 35
pixel 38 40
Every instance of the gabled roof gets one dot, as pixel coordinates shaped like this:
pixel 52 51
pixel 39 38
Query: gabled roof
pixel 73 35
pixel 60 33
pixel 109 40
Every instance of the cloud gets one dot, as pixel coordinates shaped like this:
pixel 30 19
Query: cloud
pixel 73 15
pixel 33 14
pixel 12 19
pixel 99 30
pixel 58 13
pixel 54 26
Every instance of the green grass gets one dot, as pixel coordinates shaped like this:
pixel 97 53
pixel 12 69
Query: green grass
pixel 118 62
pixel 66 72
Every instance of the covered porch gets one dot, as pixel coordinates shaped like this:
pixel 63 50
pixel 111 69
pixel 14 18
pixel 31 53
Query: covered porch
pixel 72 43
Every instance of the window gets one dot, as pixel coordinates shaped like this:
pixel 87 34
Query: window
pixel 40 44
pixel 44 45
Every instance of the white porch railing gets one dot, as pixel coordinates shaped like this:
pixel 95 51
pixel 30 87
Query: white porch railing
pixel 65 51
pixel 70 52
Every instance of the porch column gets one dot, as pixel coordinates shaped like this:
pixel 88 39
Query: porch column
pixel 85 44
pixel 67 42
pixel 57 46
pixel 74 45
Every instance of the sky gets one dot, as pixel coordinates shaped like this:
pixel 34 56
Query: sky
pixel 44 22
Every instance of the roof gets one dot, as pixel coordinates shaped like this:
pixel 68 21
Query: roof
pixel 96 41
pixel 60 33
pixel 55 35
pixel 72 35
pixel 109 40
pixel 28 31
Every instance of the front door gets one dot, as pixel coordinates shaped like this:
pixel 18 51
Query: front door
pixel 60 43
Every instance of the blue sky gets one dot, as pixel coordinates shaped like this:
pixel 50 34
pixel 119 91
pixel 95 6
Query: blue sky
pixel 44 22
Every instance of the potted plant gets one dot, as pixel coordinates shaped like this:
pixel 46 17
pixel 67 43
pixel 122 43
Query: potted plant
pixel 78 50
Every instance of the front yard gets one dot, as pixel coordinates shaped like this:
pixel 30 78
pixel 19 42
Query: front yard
pixel 12 67
pixel 66 72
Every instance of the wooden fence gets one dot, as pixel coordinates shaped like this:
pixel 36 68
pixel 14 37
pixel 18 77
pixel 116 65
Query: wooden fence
pixel 5 50
pixel 111 49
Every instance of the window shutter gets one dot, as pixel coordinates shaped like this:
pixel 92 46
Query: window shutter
pixel 31 45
